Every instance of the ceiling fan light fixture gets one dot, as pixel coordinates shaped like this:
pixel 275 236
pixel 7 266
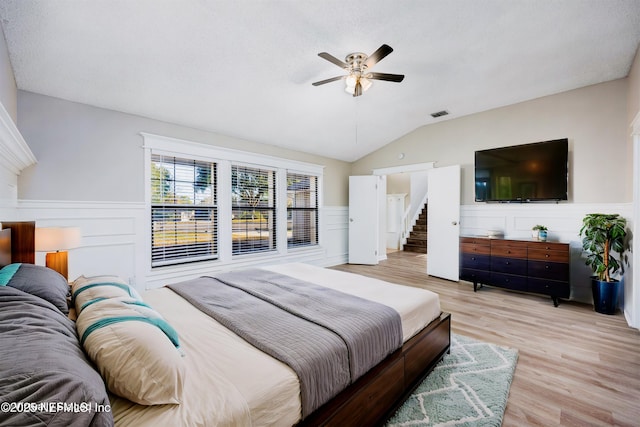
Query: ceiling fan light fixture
pixel 358 89
pixel 366 84
pixel 357 85
pixel 359 79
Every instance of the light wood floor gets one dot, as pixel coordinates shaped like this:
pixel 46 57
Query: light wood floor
pixel 575 367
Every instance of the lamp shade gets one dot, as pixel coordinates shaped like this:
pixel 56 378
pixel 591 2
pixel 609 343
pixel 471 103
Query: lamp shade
pixel 49 239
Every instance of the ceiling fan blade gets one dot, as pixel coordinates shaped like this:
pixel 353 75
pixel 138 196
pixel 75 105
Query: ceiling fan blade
pixel 378 55
pixel 387 77
pixel 333 60
pixel 332 79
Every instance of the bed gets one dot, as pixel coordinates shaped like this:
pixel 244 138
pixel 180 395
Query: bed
pixel 227 381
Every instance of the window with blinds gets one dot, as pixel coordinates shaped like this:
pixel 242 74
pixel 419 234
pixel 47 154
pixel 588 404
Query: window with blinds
pixel 183 210
pixel 253 211
pixel 302 210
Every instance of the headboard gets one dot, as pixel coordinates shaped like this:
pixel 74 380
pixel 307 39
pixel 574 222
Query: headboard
pixel 5 247
pixel 22 241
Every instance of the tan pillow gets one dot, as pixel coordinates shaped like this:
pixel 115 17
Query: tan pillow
pixel 85 289
pixel 137 360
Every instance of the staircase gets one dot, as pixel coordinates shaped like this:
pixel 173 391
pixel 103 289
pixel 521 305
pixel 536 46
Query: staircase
pixel 417 240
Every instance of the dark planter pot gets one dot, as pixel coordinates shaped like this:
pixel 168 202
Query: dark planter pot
pixel 605 295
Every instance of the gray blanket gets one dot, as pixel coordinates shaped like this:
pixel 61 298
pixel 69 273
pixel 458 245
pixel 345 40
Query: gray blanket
pixel 42 363
pixel 327 337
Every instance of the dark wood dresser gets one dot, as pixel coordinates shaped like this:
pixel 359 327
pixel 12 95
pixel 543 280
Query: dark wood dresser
pixel 520 265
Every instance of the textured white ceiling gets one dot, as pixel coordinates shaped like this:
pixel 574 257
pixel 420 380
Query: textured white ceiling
pixel 245 68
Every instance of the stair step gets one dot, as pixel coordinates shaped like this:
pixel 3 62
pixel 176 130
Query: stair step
pixel 417 249
pixel 417 234
pixel 417 242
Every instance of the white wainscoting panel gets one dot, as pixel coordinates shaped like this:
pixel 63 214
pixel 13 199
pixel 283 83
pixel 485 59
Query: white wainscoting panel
pixel 514 221
pixel 109 239
pixel 113 242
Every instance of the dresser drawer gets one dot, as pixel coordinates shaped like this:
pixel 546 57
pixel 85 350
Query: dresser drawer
pixel 548 246
pixel 548 270
pixel 475 261
pixel 509 265
pixel 509 281
pixel 509 252
pixel 549 287
pixel 549 255
pixel 475 276
pixel 472 248
pixel 514 244
pixel 475 240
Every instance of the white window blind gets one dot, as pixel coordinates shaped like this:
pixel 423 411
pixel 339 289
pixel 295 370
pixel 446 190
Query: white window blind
pixel 302 210
pixel 183 210
pixel 253 209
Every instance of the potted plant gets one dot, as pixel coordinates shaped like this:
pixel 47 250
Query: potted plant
pixel 602 236
pixel 539 232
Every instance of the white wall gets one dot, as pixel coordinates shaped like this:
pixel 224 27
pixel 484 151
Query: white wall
pixel 632 281
pixel 419 189
pixel 563 221
pixel 8 90
pixel 8 114
pixel 85 152
pixel 592 118
pixel 90 174
pixel 112 241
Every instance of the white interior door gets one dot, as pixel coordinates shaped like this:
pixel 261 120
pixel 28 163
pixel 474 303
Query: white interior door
pixel 363 219
pixel 443 229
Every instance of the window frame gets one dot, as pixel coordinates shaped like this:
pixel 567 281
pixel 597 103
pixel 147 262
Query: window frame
pixel 275 228
pixel 225 158
pixel 313 241
pixel 210 250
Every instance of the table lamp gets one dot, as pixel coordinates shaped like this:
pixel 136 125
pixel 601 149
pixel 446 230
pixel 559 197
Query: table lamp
pixel 55 241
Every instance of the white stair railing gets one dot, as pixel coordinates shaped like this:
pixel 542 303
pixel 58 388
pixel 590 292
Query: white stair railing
pixel 406 227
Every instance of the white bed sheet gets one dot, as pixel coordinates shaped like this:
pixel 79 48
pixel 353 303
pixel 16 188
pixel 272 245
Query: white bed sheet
pixel 228 382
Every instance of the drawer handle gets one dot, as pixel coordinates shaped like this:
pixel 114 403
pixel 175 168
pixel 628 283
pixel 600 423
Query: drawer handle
pixel 546 266
pixel 508 252
pixel 546 255
pixel 473 258
pixel 507 263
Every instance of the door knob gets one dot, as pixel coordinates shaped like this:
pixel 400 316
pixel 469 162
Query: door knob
pixel 350 219
pixel 454 223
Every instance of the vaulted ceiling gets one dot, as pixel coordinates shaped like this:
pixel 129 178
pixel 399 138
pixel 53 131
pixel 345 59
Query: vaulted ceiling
pixel 245 68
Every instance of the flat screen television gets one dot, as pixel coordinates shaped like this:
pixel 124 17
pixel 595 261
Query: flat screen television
pixel 523 173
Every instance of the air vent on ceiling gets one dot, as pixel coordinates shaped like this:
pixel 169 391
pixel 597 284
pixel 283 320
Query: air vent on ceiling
pixel 439 114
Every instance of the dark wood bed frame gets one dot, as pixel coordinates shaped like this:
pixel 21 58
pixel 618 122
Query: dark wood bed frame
pixel 372 399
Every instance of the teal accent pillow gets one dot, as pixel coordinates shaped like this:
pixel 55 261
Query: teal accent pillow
pixel 7 273
pixel 42 282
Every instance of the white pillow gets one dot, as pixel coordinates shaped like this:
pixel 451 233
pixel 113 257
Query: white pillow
pixel 85 289
pixel 132 347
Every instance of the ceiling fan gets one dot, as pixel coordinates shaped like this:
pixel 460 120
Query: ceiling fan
pixel 358 64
